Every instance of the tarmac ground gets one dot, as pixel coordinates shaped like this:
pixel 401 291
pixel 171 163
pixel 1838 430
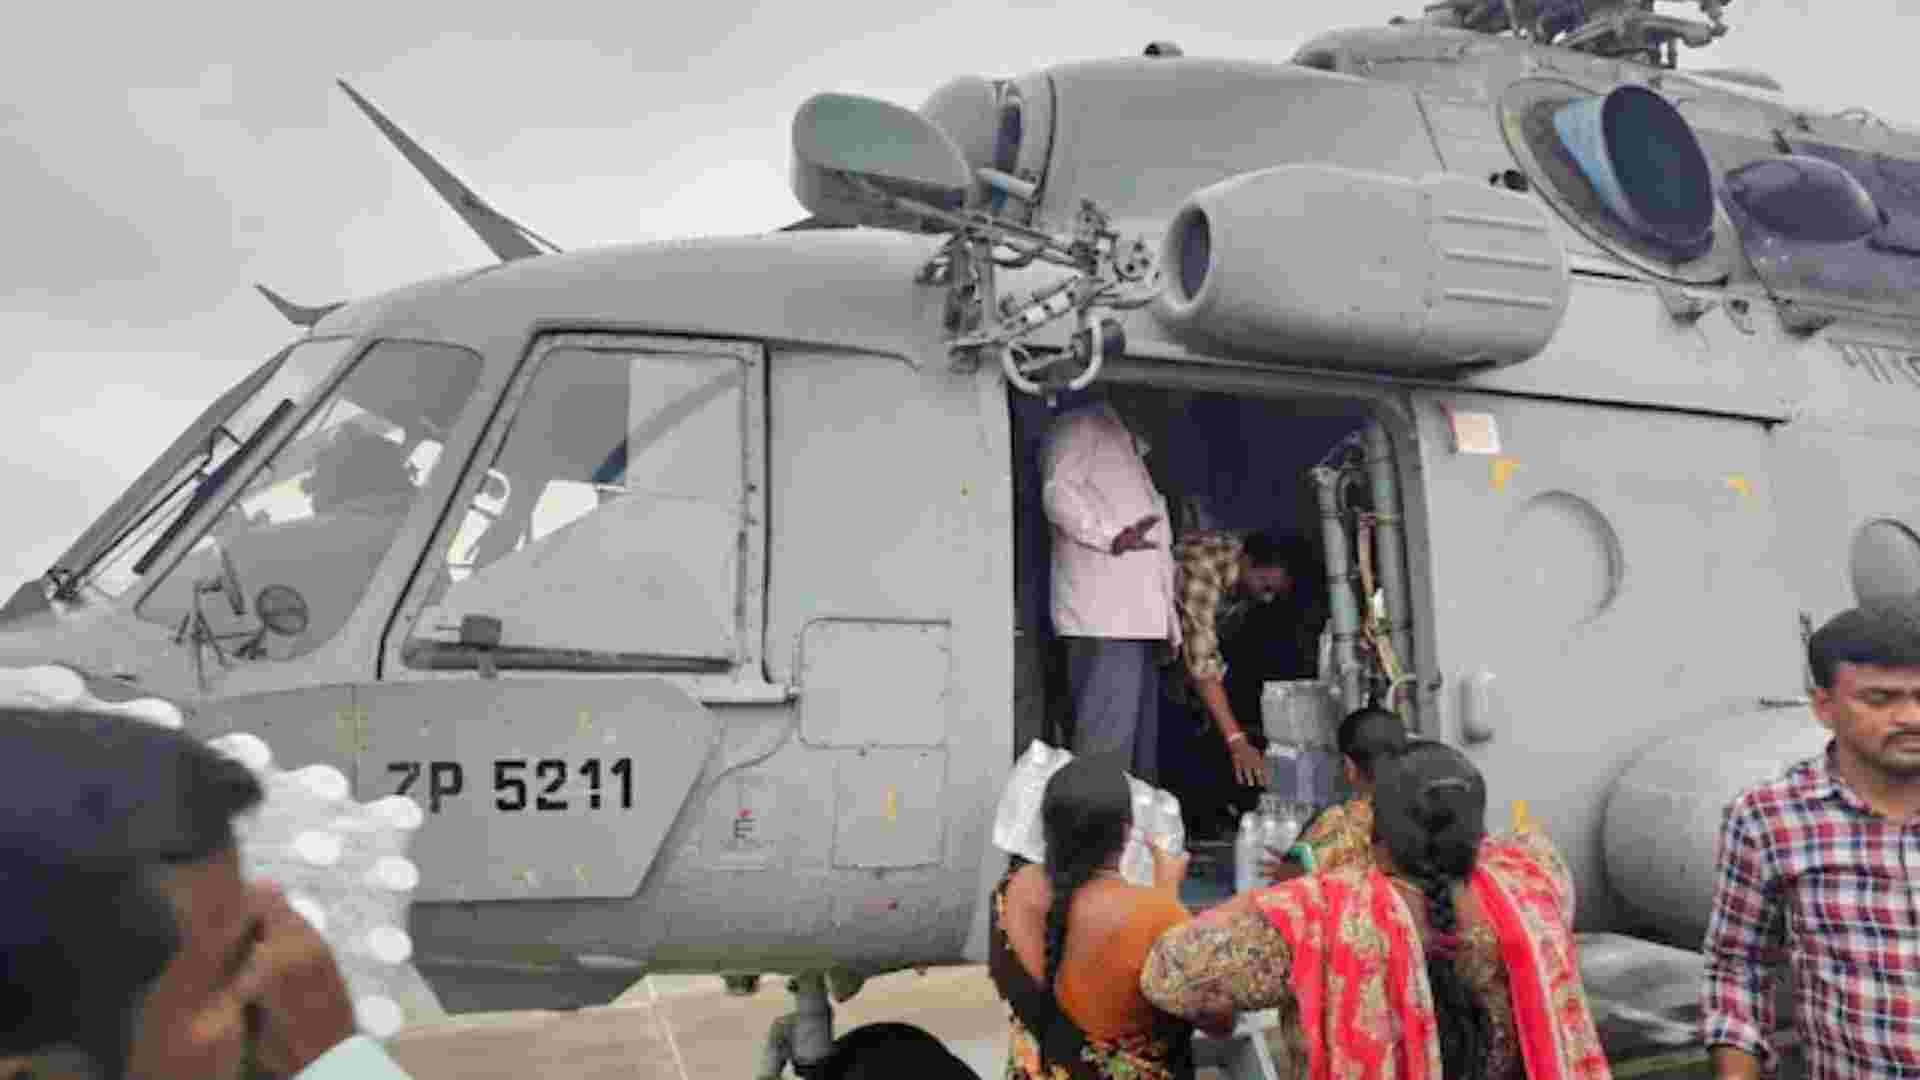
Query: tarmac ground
pixel 683 1027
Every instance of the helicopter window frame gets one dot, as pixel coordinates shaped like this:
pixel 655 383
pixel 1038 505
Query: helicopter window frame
pixel 411 655
pixel 194 530
pixel 297 425
pixel 134 516
pixel 143 527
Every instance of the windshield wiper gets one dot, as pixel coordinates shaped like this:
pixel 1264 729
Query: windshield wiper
pixel 212 484
pixel 67 584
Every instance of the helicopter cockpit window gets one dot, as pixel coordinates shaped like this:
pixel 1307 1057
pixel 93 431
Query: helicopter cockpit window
pixel 125 560
pixel 609 521
pixel 288 560
pixel 1805 198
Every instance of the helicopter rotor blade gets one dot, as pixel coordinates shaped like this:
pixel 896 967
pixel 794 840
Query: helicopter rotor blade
pixel 505 237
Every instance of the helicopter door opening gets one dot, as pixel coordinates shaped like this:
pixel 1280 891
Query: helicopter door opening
pixel 1238 464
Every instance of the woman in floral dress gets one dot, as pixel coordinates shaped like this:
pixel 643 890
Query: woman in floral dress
pixel 1343 834
pixel 1069 939
pixel 1450 955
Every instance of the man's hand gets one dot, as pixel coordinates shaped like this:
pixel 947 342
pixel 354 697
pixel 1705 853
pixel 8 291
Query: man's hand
pixel 1134 536
pixel 1249 768
pixel 1169 870
pixel 294 985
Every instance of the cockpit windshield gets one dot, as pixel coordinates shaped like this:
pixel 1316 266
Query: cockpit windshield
pixel 288 559
pixel 114 571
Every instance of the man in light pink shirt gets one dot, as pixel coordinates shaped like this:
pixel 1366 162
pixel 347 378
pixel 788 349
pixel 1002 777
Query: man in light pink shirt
pixel 1112 581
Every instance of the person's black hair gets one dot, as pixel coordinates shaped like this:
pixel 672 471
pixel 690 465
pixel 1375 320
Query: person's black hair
pixel 1430 809
pixel 1371 735
pixel 1085 815
pixel 883 1051
pixel 1275 547
pixel 1885 633
pixel 99 808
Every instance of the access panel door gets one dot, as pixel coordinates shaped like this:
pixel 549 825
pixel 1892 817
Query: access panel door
pixel 533 788
pixel 1595 578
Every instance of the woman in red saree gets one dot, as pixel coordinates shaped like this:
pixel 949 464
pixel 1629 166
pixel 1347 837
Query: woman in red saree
pixel 1449 957
pixel 1068 940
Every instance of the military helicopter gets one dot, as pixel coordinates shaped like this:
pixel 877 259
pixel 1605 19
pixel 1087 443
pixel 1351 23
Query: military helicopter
pixel 710 648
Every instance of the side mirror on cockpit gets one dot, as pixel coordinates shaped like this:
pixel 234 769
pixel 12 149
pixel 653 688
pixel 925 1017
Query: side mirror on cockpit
pixel 844 141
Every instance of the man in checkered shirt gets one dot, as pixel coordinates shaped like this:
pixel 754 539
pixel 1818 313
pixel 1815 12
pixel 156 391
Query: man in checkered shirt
pixel 1824 864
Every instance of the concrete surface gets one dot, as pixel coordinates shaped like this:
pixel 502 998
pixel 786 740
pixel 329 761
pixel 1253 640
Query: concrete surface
pixel 682 1027
pixel 685 1027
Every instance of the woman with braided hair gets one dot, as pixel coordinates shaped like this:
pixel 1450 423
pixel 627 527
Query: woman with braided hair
pixel 1068 939
pixel 1447 956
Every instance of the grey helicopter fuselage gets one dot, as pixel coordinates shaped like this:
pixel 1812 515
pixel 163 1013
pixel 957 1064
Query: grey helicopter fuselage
pixel 768 733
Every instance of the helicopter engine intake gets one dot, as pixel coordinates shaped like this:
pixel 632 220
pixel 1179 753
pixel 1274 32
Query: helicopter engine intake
pixel 1366 270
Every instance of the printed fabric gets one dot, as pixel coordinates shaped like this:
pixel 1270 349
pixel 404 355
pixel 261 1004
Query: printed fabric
pixel 1338 955
pixel 1207 596
pixel 1342 836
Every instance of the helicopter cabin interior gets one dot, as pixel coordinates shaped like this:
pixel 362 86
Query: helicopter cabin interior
pixel 1223 461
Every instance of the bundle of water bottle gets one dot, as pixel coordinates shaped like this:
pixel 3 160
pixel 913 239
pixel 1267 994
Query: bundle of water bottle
pixel 343 865
pixel 1299 781
pixel 1017 827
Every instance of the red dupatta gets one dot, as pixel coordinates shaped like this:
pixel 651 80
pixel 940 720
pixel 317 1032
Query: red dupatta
pixel 1361 982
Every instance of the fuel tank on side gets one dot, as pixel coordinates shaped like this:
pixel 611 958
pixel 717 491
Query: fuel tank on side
pixel 1661 831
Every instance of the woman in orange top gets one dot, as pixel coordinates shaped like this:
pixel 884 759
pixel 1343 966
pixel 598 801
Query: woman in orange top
pixel 1069 940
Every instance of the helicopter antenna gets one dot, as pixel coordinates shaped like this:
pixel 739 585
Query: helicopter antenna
pixel 504 236
pixel 297 314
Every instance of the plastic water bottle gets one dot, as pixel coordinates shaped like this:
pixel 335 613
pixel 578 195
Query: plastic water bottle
pixel 1146 810
pixel 1170 830
pixel 1136 862
pixel 393 873
pixel 1278 831
pixel 1309 775
pixel 1016 827
pixel 380 1016
pixel 1007 818
pixel 1284 771
pixel 1246 854
pixel 248 750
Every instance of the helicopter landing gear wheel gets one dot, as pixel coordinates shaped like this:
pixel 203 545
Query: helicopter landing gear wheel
pixel 803 1037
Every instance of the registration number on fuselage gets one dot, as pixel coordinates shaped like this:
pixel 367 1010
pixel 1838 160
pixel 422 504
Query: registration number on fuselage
pixel 607 784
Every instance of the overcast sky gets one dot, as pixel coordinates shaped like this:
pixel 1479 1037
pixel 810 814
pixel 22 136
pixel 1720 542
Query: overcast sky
pixel 157 160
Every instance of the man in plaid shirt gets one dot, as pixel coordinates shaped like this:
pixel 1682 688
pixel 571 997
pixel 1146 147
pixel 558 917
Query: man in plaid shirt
pixel 1824 864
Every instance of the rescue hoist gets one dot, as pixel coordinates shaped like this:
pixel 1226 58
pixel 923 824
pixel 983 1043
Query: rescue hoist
pixel 866 162
pixel 1108 276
